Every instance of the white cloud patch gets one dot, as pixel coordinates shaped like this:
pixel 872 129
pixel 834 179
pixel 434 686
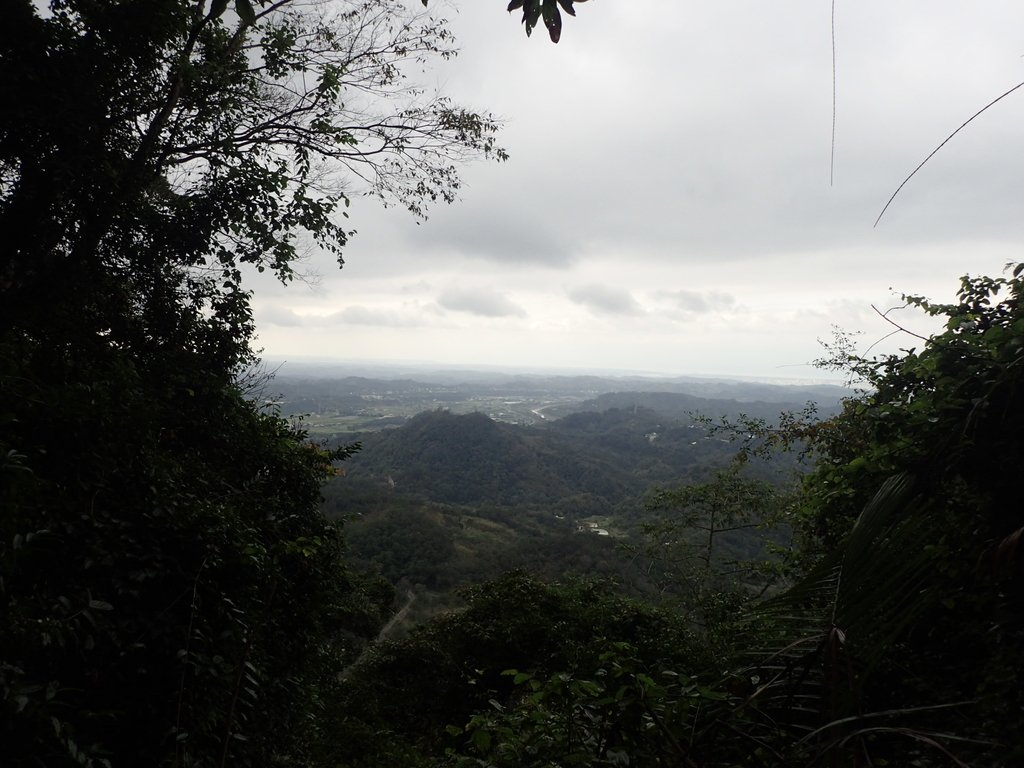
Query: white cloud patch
pixel 405 317
pixel 479 301
pixel 606 300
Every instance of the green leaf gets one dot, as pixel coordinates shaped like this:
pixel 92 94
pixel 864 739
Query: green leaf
pixel 710 693
pixel 552 20
pixel 482 740
pixel 245 12
pixel 531 12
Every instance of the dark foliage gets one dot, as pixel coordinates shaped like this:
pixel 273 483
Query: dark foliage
pixel 616 455
pixel 446 670
pixel 171 593
pixel 171 590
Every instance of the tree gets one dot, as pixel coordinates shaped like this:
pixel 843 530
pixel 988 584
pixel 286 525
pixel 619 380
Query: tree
pixel 403 694
pixel 703 547
pixel 197 140
pixel 171 592
pixel 905 626
pixel 944 410
pixel 948 415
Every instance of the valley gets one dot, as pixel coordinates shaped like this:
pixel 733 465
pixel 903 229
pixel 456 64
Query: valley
pixel 463 476
pixel 335 399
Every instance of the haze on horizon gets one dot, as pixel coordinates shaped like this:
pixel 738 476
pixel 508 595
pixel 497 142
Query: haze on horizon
pixel 668 206
pixel 427 370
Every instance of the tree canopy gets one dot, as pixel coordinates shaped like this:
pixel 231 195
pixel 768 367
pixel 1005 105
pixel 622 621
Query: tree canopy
pixel 171 592
pixel 149 153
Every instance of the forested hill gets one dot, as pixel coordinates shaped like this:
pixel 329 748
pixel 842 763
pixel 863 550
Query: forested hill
pixel 615 454
pixel 678 406
pixel 470 458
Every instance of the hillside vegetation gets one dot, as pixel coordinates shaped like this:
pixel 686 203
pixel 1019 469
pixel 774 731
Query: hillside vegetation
pixel 893 638
pixel 448 500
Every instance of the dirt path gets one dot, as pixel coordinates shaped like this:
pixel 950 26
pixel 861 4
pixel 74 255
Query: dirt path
pixel 410 598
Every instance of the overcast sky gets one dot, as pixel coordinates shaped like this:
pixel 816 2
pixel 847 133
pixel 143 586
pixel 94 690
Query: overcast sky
pixel 667 205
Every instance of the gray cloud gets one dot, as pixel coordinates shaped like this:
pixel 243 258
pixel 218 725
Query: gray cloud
pixel 650 162
pixel 359 315
pixel 718 146
pixel 520 235
pixel 273 314
pixel 698 302
pixel 479 301
pixel 605 300
pixel 416 288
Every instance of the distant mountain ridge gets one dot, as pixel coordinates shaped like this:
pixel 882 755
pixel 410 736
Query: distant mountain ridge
pixel 337 406
pixel 675 406
pixel 779 389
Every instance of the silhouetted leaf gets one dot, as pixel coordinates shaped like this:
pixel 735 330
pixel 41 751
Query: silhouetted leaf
pixel 552 20
pixel 245 11
pixel 531 12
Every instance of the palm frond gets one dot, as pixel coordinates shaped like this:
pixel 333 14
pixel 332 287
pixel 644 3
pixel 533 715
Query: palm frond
pixel 813 647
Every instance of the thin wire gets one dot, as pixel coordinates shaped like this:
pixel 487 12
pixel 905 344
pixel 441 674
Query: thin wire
pixel 944 142
pixel 832 159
